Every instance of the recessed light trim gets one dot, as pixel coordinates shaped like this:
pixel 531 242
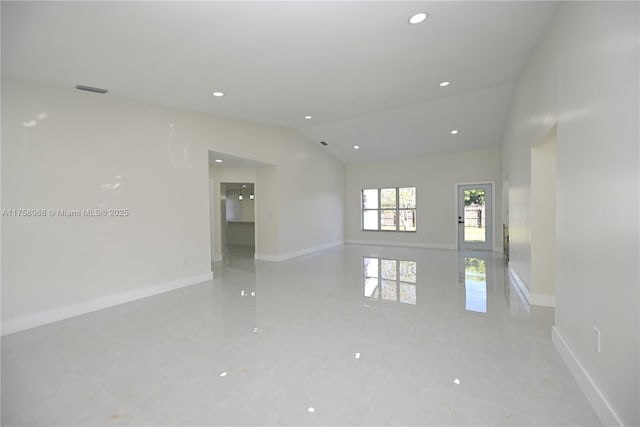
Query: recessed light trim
pixel 454 132
pixel 218 161
pixel 445 83
pixel 218 94
pixel 418 18
pixel 308 117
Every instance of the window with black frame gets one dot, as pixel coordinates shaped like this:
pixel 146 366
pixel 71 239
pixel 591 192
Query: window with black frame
pixel 389 209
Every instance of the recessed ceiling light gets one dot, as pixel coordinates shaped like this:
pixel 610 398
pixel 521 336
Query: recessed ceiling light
pixel 218 94
pixel 445 83
pixel 454 132
pixel 218 161
pixel 356 147
pixel 307 117
pixel 418 18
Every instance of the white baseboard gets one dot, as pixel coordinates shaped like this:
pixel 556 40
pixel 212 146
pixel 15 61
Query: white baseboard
pixel 519 284
pixel 265 257
pixel 50 316
pixel 295 254
pixel 532 298
pixel 401 244
pixel 519 293
pixel 594 395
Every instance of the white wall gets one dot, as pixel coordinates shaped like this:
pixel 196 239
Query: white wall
pixel 584 77
pixel 543 220
pixel 435 178
pixel 311 200
pixel 96 151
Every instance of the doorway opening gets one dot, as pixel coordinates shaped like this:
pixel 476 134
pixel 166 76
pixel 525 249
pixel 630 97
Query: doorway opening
pixel 237 225
pixel 237 209
pixel 475 216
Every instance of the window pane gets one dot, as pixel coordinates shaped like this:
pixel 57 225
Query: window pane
pixel 370 199
pixel 388 198
pixel 370 220
pixel 407 220
pixel 371 267
pixel 389 290
pixel 388 220
pixel 389 269
pixel 408 271
pixel 474 215
pixel 407 197
pixel 371 288
pixel 407 293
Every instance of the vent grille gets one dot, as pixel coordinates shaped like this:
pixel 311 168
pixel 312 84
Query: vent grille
pixel 91 89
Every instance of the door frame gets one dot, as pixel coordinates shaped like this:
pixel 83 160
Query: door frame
pixel 493 212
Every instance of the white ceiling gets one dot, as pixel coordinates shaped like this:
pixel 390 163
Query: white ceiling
pixel 365 75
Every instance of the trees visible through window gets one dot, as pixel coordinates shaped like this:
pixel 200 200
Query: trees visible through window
pixel 389 209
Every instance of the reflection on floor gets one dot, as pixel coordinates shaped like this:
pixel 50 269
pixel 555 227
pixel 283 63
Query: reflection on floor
pixel 239 258
pixel 475 284
pixel 357 335
pixel 390 280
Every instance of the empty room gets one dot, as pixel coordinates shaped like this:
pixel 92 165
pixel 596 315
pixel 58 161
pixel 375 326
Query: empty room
pixel 320 213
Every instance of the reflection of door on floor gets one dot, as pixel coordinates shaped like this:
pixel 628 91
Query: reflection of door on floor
pixel 475 216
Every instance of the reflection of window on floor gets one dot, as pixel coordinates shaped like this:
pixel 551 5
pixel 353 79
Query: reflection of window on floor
pixel 475 283
pixel 390 280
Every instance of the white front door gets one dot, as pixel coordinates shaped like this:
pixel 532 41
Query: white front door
pixel 475 216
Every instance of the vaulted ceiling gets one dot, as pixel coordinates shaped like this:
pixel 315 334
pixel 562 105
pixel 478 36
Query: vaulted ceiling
pixel 365 75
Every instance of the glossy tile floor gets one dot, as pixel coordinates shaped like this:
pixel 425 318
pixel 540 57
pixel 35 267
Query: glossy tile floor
pixel 356 335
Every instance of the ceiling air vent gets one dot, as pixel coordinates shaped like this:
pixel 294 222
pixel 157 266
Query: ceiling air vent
pixel 323 143
pixel 91 89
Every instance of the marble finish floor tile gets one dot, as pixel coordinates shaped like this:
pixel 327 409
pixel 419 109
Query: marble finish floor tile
pixel 357 335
